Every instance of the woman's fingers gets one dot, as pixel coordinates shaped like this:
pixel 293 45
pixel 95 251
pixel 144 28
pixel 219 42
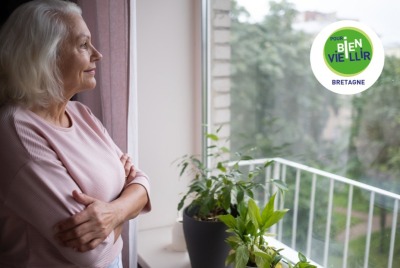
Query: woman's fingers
pixel 86 229
pixel 127 163
pixel 84 239
pixel 131 175
pixel 130 172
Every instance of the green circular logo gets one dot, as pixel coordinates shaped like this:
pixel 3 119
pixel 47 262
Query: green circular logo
pixel 348 51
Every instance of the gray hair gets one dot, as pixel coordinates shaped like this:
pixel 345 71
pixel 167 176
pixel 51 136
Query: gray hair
pixel 30 42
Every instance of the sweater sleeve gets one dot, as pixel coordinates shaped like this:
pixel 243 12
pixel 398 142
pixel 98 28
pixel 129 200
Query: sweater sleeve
pixel 41 194
pixel 141 177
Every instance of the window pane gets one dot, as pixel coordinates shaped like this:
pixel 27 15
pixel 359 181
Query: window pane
pixel 266 96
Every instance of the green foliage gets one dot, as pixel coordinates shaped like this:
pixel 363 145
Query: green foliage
pixel 275 97
pixel 279 107
pixel 303 263
pixel 218 189
pixel 374 142
pixel 248 234
pixel 249 229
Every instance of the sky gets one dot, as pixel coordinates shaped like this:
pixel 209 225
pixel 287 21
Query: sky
pixel 382 16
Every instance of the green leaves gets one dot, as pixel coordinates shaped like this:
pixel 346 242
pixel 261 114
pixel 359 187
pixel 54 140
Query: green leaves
pixel 281 185
pixel 302 258
pixel 218 189
pixel 228 220
pixel 247 238
pixel 303 262
pixel 242 256
pixel 221 167
pixel 254 214
pixel 270 216
pixel 248 230
pixel 212 137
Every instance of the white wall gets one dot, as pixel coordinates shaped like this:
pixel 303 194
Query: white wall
pixel 168 96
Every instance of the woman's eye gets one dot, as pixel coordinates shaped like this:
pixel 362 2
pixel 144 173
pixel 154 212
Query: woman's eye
pixel 84 45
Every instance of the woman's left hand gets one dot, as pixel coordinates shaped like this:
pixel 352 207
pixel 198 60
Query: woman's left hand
pixel 85 230
pixel 129 168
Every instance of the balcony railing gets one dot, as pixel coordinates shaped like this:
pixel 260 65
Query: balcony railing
pixel 305 181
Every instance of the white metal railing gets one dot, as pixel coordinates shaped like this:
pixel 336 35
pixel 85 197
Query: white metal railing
pixel 278 171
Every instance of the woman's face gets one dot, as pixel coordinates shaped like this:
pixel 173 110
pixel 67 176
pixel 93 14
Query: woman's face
pixel 77 61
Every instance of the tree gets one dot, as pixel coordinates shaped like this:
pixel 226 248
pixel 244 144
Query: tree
pixel 275 97
pixel 279 107
pixel 375 143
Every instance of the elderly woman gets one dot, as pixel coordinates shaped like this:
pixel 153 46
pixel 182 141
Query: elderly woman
pixel 65 187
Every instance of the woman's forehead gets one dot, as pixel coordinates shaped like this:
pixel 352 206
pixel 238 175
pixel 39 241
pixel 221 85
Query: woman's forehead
pixel 77 27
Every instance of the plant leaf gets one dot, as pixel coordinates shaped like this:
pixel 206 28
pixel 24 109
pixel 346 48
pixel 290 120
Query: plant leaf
pixel 225 149
pixel 242 256
pixel 269 215
pixel 181 203
pixel 246 157
pixel 254 213
pixel 184 166
pixel 262 258
pixel 280 184
pixel 212 137
pixel 239 196
pixel 302 258
pixel 268 163
pixel 231 258
pixel 228 220
pixel 221 167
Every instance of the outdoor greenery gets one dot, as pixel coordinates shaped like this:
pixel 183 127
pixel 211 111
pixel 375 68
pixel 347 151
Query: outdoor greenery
pixel 280 108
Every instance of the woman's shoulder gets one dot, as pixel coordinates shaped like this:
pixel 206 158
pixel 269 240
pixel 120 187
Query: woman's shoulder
pixel 78 107
pixel 9 114
pixel 82 115
pixel 80 111
pixel 15 131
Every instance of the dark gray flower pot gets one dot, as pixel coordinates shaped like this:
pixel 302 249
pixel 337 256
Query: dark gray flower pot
pixel 205 242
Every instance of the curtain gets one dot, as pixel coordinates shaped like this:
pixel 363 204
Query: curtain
pixel 108 22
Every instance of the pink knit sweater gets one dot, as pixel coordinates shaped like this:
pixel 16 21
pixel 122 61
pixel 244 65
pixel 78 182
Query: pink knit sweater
pixel 40 165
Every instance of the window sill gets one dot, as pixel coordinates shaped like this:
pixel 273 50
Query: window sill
pixel 154 250
pixel 288 253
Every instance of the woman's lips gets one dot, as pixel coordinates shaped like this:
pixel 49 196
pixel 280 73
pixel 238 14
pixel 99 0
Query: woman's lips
pixel 91 71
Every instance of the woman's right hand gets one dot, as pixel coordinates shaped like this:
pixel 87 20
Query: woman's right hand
pixel 87 229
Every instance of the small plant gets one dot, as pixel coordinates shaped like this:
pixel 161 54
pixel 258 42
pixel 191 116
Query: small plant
pixel 219 189
pixel 248 243
pixel 303 263
pixel 248 236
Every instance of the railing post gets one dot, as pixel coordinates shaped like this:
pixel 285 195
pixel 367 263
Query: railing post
pixel 393 234
pixel 348 223
pixel 276 177
pixel 328 222
pixel 311 216
pixel 369 229
pixel 281 204
pixel 295 209
pixel 267 178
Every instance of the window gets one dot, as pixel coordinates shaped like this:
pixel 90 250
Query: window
pixel 265 96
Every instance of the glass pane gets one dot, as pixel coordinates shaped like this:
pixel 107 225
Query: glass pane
pixel 278 107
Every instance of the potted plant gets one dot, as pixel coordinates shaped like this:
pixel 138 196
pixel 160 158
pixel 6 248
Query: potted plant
pixel 213 191
pixel 248 243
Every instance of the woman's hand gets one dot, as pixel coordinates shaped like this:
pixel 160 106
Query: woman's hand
pixel 129 168
pixel 87 229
